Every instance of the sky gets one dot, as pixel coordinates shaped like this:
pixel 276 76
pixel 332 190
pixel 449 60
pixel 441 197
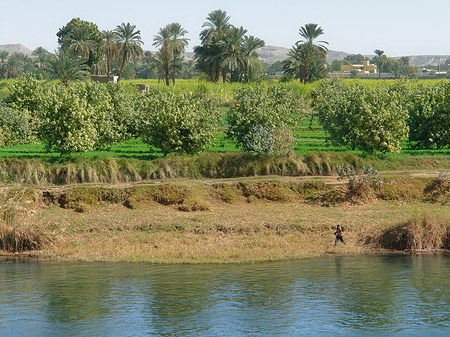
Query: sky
pixel 399 27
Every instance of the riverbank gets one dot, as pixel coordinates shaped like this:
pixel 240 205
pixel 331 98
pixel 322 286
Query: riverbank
pixel 245 220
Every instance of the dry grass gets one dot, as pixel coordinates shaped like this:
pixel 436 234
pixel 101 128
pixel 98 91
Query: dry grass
pixel 228 233
pixel 421 232
pixel 229 221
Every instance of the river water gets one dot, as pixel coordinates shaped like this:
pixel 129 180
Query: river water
pixel 333 295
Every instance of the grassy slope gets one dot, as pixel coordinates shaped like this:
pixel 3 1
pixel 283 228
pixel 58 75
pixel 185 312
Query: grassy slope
pixel 252 219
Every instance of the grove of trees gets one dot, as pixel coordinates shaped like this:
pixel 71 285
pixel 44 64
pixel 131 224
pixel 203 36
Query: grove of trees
pixel 307 58
pixel 88 115
pixel 382 118
pixel 227 51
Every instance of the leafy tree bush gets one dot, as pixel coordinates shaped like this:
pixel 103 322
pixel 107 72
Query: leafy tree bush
pixel 368 119
pixel 26 96
pixel 262 139
pixel 67 121
pixel 14 127
pixel 80 35
pixel 178 122
pixel 261 117
pixel 108 121
pixel 429 116
pixel 126 111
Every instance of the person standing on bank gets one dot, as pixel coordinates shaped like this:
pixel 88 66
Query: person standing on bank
pixel 339 232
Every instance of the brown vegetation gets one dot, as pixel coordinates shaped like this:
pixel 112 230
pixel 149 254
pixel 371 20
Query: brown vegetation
pixel 251 219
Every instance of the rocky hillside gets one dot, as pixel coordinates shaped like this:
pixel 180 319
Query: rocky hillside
pixel 271 54
pixel 16 48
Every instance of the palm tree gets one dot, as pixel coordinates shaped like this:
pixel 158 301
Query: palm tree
pixel 307 54
pixel 303 63
pixel 379 60
pixel 178 43
pixel 14 66
pixel 310 32
pixel 158 65
pixel 162 40
pixel 250 58
pixel 66 67
pixel 172 43
pixel 3 58
pixel 216 27
pixel 109 49
pixel 41 56
pixel 81 43
pixel 130 44
pixel 216 24
pixel 230 59
pixel 189 67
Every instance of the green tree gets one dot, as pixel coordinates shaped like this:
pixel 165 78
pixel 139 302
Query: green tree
pixel 41 56
pixel 171 43
pixel 178 44
pixel 3 60
pixel 109 49
pixel 429 116
pixel 129 44
pixel 14 66
pixel 358 117
pixel 215 29
pixel 305 63
pixel 81 43
pixel 178 122
pixel 26 96
pixel 14 127
pixel 260 115
pixel 230 57
pixel 69 121
pixel 250 58
pixel 310 33
pixel 67 68
pixel 83 37
pixel 308 54
pixel 189 67
pixel 355 58
pixel 379 60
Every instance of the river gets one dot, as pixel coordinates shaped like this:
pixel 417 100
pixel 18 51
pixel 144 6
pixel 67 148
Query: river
pixel 333 295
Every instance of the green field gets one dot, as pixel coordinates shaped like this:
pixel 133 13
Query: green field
pixel 309 134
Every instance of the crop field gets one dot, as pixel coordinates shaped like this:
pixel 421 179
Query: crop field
pixel 309 134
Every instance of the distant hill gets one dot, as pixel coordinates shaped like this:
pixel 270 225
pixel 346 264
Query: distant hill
pixel 271 54
pixel 16 48
pixel 423 60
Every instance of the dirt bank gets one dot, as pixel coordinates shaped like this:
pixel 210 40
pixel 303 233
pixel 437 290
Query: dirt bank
pixel 209 221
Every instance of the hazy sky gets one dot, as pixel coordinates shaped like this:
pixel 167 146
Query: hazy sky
pixel 399 27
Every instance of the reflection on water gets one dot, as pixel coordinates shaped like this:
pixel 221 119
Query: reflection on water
pixel 343 296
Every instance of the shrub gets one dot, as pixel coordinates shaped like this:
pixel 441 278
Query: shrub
pixel 67 121
pixel 125 110
pixel 262 139
pixel 261 116
pixel 105 118
pixel 360 182
pixel 26 96
pixel 15 127
pixel 429 116
pixel 420 232
pixel 178 122
pixel 368 119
